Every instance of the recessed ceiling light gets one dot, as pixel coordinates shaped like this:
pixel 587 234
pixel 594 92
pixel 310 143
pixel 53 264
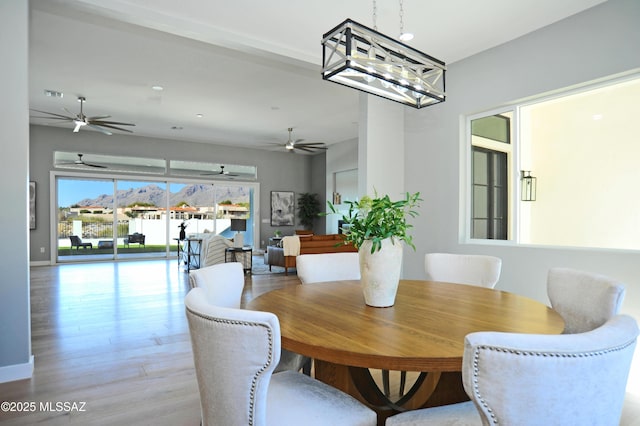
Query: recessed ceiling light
pixel 53 93
pixel 597 116
pixel 275 108
pixel 199 115
pixel 176 127
pixel 157 88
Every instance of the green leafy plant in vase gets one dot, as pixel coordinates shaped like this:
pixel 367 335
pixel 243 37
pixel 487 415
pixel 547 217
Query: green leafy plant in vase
pixel 376 227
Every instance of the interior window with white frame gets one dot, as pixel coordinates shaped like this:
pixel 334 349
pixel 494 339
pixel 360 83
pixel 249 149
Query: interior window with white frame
pixel 566 175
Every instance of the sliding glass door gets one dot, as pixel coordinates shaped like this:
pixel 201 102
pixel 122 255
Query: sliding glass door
pixel 85 228
pixel 103 219
pixel 141 218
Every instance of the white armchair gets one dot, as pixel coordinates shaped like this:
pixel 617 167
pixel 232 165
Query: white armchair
pixel 235 353
pixel 531 380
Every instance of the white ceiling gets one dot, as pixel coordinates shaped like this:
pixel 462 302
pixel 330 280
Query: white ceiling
pixel 252 68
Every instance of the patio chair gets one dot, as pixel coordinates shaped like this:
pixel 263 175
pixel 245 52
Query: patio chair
pixel 77 243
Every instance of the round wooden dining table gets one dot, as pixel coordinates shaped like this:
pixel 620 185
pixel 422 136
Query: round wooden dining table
pixel 423 331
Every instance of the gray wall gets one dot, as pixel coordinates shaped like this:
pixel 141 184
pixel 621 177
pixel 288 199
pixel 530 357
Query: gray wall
pixel 15 329
pixel 277 171
pixel 599 42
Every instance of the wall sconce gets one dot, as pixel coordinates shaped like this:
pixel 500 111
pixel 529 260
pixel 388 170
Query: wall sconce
pixel 528 186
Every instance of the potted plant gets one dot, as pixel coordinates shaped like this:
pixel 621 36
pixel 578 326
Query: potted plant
pixel 308 209
pixel 377 227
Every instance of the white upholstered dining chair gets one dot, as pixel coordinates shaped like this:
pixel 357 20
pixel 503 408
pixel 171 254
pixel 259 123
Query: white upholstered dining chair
pixel 223 284
pixel 322 267
pixel 532 379
pixel 235 354
pixel 583 299
pixel 471 269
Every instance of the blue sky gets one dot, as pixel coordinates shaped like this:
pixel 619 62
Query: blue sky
pixel 70 191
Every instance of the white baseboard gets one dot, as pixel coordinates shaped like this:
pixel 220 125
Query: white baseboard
pixel 15 372
pixel 40 263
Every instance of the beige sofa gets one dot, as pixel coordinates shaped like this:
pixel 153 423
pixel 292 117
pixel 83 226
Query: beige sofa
pixel 309 244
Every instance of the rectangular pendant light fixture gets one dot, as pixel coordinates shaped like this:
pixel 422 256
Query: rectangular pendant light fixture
pixel 364 59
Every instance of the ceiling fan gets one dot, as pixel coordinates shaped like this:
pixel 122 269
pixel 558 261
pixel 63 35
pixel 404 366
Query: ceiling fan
pixel 292 145
pixel 80 120
pixel 81 162
pixel 221 172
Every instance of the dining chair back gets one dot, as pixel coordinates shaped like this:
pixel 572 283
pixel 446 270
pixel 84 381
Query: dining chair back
pixel 533 379
pixel 473 269
pixel 223 283
pixel 322 267
pixel 235 352
pixel 583 299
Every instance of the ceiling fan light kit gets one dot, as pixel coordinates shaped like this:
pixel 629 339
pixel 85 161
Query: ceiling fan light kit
pixel 363 58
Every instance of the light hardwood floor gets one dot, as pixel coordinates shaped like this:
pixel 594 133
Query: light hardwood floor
pixel 113 339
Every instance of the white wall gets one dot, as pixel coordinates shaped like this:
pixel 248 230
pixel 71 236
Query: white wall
pixel 599 42
pixel 588 166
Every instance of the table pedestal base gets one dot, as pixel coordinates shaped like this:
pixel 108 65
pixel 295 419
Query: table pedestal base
pixel 429 390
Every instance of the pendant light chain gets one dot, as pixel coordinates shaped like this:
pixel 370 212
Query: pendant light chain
pixel 375 15
pixel 401 20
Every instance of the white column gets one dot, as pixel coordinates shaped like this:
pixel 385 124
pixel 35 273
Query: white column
pixel 381 147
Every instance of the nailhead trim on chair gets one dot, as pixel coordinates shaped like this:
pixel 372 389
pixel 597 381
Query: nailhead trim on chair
pixel 476 355
pixel 270 359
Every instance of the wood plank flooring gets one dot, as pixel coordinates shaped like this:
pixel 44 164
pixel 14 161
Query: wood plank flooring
pixel 111 341
pixel 113 338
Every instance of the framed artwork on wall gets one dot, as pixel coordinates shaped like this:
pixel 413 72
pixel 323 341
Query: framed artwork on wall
pixel 32 205
pixel 282 208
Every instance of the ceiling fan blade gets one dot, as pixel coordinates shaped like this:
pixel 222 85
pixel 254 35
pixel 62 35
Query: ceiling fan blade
pixel 54 115
pixel 62 119
pixel 101 124
pixel 310 144
pixel 100 166
pixel 98 117
pixel 302 148
pixel 318 148
pixel 100 129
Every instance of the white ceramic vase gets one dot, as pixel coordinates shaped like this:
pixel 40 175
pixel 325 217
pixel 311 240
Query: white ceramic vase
pixel 380 272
